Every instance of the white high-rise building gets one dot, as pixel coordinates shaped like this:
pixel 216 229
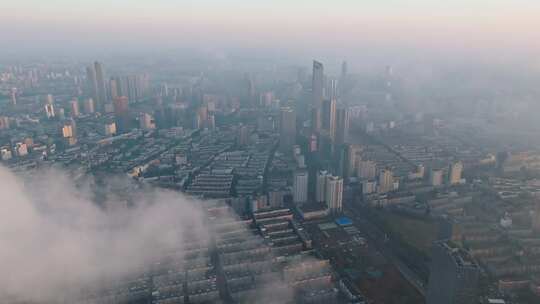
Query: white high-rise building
pixel 334 93
pixel 21 149
pixel 320 194
pixel 418 173
pixel 146 122
pixel 49 106
pixel 49 110
pixel 369 187
pixel 386 181
pixel 334 193
pixel 329 117
pixel 436 177
pixel 300 186
pixel 74 104
pixel 109 128
pixel 13 96
pixel 367 169
pixel 455 171
pixel 89 106
pixel 5 153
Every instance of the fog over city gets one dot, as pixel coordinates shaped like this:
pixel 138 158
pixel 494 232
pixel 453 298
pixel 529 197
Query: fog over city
pixel 237 151
pixel 70 246
pixel 55 239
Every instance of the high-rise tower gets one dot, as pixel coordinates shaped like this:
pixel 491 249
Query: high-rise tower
pixel 100 82
pixel 74 105
pixel 300 186
pixel 121 113
pixel 317 95
pixel 329 117
pixel 342 125
pixel 320 191
pixel 92 83
pixel 334 193
pixel 287 132
pixel 386 181
pixel 454 173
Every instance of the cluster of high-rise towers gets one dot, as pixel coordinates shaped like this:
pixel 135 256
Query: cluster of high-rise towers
pixel 327 135
pixel 329 121
pixel 114 94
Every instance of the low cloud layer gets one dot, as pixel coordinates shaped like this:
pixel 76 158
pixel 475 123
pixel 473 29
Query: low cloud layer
pixel 54 239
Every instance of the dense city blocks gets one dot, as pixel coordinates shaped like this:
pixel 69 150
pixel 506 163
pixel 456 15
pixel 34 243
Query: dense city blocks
pixel 239 152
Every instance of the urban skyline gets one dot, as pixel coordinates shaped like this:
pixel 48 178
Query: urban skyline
pixel 345 152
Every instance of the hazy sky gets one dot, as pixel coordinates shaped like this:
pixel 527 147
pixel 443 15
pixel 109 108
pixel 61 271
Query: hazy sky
pixel 289 24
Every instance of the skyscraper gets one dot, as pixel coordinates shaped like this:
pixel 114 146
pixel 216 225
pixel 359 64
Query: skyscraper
pixel 300 186
pixel 334 193
pixel 353 157
pixel 134 87
pixel 329 117
pixel 316 119
pixel 88 106
pixel 243 135
pixel 146 121
pixel 4 122
pixel 343 79
pixel 436 177
pixel 21 149
pixel 334 90
pixel 121 86
pixel 454 173
pixel 317 91
pixel 340 155
pixel 92 83
pixel 164 90
pixel 131 81
pixel 386 181
pixel 535 221
pixel 251 93
pixel 342 126
pixel 100 82
pixel 204 119
pixel 287 132
pixel 49 106
pixel 313 143
pixel 13 96
pixel 69 131
pixel 344 70
pixel 109 128
pixel 367 169
pixel 320 191
pixel 121 113
pixel 60 113
pixel 453 277
pixel 74 105
pixel 114 89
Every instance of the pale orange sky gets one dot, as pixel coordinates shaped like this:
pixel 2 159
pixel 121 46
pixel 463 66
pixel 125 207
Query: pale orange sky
pixel 293 23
